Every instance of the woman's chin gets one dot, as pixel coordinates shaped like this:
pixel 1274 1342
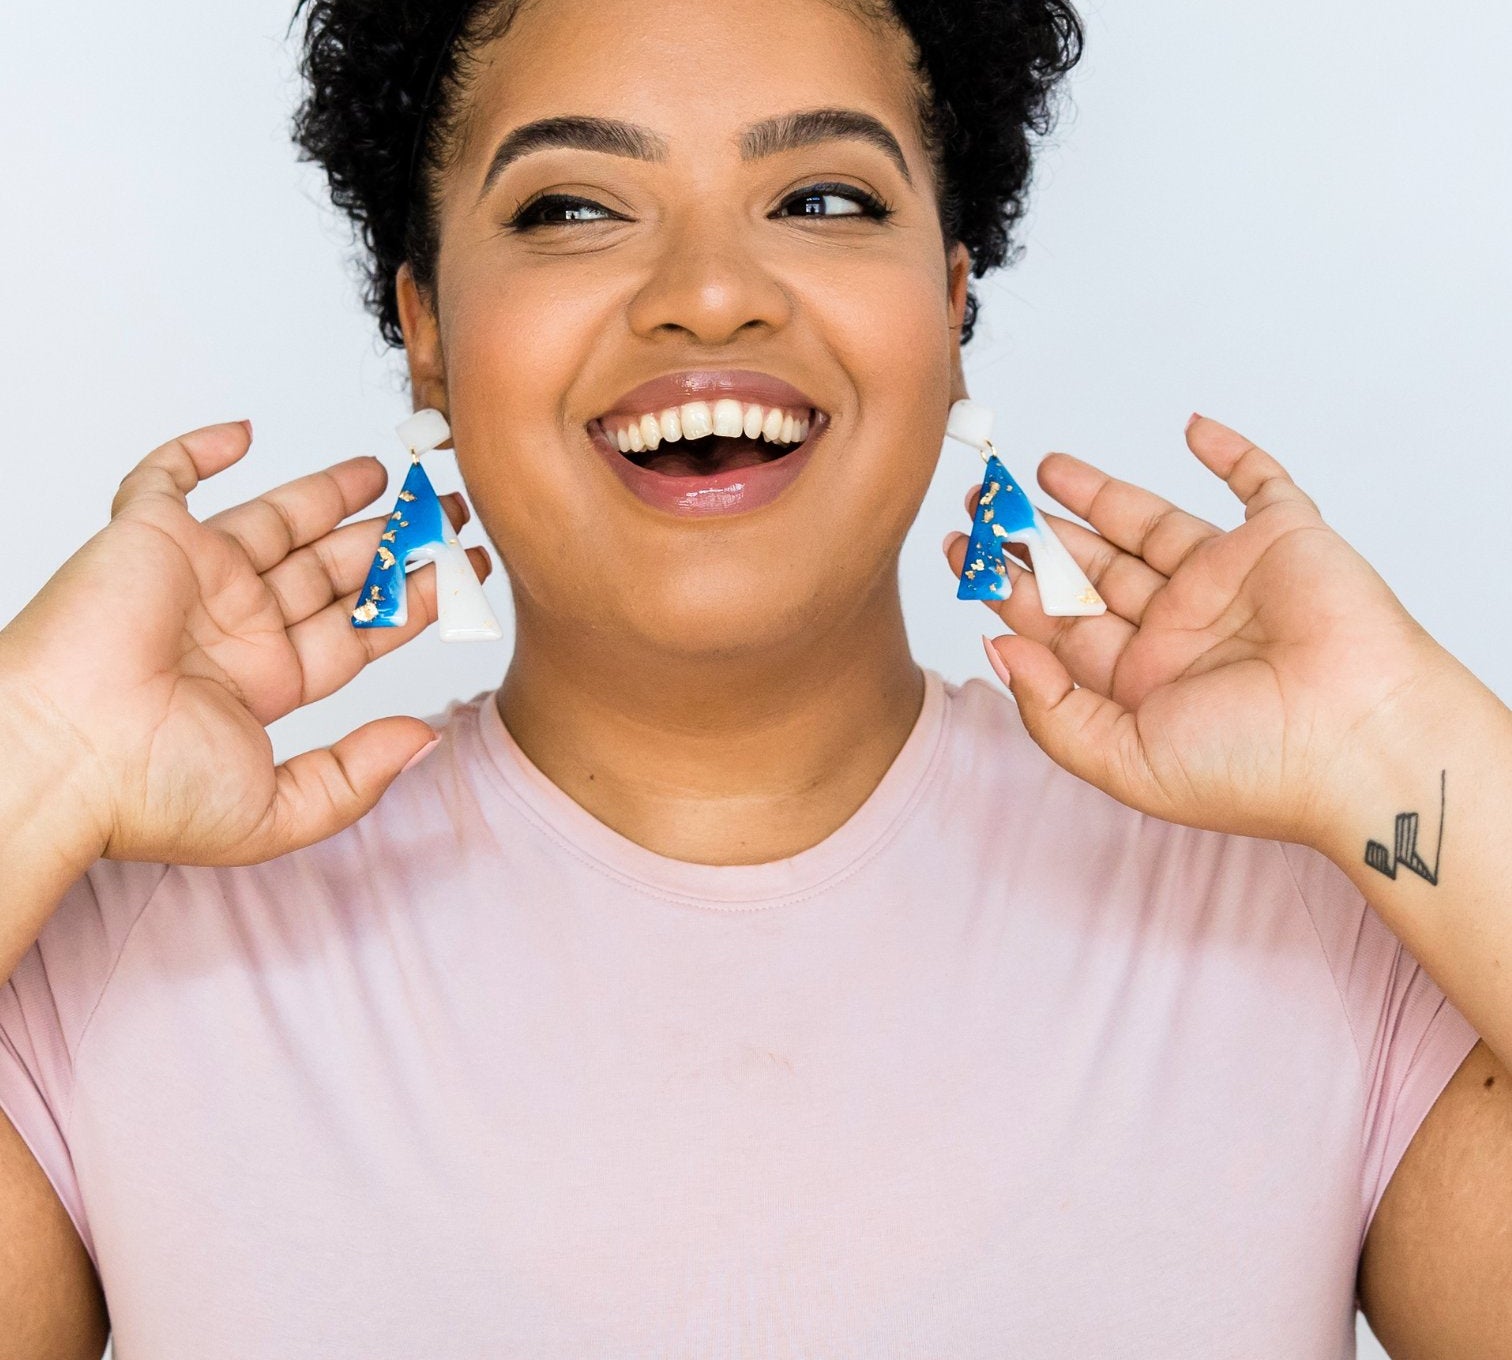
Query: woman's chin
pixel 722 613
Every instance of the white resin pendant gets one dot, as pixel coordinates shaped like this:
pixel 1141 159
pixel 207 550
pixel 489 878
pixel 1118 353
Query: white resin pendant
pixel 418 531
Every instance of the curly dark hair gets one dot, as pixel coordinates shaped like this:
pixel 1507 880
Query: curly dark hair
pixel 386 79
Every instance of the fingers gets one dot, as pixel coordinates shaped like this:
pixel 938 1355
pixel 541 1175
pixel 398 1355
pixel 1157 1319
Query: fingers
pixel 1081 730
pixel 1251 473
pixel 1136 520
pixel 1088 646
pixel 310 578
pixel 331 651
pixel 174 469
pixel 322 792
pixel 1125 582
pixel 271 526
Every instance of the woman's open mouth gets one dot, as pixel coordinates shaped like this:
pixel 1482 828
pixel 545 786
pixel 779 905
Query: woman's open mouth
pixel 708 457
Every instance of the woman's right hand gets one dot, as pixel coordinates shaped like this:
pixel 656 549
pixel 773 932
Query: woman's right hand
pixel 160 651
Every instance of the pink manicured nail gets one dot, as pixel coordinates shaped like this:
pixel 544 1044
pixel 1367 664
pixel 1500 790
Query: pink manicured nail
pixel 1195 418
pixel 996 661
pixel 949 539
pixel 422 753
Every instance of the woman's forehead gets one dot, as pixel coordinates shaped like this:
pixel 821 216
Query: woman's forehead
pixel 692 72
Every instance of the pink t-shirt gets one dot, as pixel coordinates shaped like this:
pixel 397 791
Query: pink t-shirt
pixel 1001 1067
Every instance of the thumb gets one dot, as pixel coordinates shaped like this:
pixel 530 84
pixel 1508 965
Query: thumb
pixel 1082 731
pixel 322 792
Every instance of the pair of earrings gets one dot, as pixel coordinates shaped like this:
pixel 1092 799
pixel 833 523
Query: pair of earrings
pixel 418 531
pixel 1004 514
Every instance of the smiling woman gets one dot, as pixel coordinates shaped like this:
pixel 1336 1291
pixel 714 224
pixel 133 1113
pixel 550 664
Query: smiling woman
pixel 561 237
pixel 688 997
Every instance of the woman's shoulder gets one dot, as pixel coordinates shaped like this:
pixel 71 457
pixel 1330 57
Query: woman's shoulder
pixel 1018 793
pixel 991 752
pixel 424 805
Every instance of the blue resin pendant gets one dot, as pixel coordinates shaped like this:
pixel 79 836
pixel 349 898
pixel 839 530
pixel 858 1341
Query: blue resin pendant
pixel 1001 509
pixel 1005 514
pixel 418 531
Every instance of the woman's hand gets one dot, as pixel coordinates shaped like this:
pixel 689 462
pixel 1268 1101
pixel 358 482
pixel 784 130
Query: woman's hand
pixel 1239 676
pixel 159 652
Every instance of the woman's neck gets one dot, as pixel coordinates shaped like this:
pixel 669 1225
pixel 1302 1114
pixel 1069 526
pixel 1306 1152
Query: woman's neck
pixel 717 760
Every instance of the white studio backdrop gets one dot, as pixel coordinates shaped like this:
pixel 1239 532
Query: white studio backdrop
pixel 1293 217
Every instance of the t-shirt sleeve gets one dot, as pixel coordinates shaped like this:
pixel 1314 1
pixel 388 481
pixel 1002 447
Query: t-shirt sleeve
pixel 45 1007
pixel 1410 1038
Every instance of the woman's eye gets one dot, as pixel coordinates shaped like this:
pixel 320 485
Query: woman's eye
pixel 833 200
pixel 555 209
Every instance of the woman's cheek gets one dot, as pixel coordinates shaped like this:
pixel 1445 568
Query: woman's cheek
pixel 513 350
pixel 884 309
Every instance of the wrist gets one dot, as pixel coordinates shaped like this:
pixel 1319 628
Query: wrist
pixel 50 798
pixel 1444 729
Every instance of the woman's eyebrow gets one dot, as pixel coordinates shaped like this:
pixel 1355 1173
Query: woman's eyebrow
pixel 615 138
pixel 579 132
pixel 791 130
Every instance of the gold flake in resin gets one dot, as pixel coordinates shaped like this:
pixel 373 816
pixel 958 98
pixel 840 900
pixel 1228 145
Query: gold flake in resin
pixel 406 495
pixel 365 612
pixel 390 536
pixel 386 557
pixel 1089 596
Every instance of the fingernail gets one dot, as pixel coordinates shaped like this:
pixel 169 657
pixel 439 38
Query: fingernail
pixel 422 753
pixel 949 540
pixel 996 661
pixel 1195 418
pixel 247 425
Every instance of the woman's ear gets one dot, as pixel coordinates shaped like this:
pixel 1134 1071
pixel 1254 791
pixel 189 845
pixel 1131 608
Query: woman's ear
pixel 958 264
pixel 422 342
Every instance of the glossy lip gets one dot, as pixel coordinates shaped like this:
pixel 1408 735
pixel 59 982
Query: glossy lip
pixel 723 493
pixel 709 384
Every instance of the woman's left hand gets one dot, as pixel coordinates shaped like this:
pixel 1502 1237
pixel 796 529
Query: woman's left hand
pixel 1240 678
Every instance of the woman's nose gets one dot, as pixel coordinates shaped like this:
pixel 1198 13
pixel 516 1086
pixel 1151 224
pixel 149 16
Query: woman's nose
pixel 709 284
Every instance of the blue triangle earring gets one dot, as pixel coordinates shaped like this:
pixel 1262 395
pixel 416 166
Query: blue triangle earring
pixel 418 531
pixel 1005 514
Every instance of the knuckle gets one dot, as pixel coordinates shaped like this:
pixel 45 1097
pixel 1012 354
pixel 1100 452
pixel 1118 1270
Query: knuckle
pixel 367 638
pixel 1104 562
pixel 1095 505
pixel 285 520
pixel 1152 525
pixel 281 598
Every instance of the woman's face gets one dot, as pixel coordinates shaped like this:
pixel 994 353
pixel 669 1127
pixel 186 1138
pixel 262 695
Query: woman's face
pixel 713 241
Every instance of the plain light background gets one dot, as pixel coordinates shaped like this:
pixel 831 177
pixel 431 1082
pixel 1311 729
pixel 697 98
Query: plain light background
pixel 1294 217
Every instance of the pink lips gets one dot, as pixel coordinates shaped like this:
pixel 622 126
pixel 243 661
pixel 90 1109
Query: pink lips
pixel 721 493
pixel 732 491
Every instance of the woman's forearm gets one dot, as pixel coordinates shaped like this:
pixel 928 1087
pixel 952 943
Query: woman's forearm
pixel 1427 838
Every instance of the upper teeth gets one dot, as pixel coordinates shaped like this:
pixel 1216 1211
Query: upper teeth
pixel 696 419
